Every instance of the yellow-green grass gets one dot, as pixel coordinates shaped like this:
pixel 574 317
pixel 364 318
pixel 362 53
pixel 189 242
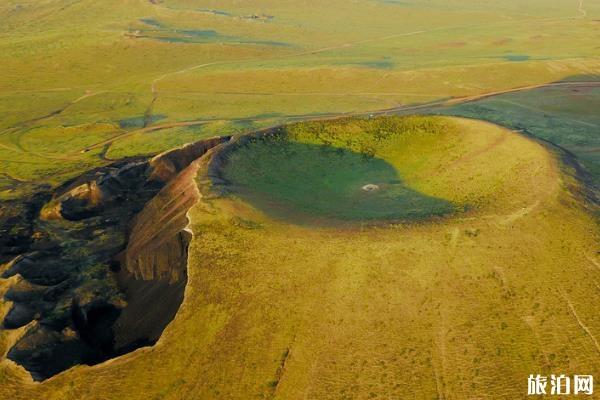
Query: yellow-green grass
pixel 464 307
pixel 439 308
pixel 319 169
pixel 406 311
pixel 564 116
pixel 309 59
pixel 325 169
pixel 155 142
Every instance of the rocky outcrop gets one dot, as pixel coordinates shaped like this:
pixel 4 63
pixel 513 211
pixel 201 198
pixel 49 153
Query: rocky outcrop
pixel 17 225
pixel 157 247
pixel 166 165
pixel 88 266
pixel 66 298
pixel 154 264
pixel 108 187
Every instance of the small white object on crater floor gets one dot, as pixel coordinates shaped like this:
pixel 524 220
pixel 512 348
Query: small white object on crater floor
pixel 370 187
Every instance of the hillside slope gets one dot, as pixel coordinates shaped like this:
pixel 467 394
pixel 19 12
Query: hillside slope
pixel 460 307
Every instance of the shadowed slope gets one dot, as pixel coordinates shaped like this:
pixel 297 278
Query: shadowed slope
pixel 306 181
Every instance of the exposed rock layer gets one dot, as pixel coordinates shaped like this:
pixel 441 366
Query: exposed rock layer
pixel 154 264
pixel 156 241
pixel 130 217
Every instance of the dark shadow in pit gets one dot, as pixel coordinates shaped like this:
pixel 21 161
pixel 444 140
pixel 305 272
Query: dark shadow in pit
pixel 136 327
pixel 321 184
pixel 76 310
pixel 101 261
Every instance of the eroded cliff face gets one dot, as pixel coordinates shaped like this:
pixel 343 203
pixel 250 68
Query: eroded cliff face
pixel 87 267
pixel 154 264
pixel 157 242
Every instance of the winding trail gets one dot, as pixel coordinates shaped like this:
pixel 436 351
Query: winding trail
pixel 537 110
pixel 154 84
pixel 51 114
pixel 147 127
pixel 437 103
pixel 580 322
pixel 154 90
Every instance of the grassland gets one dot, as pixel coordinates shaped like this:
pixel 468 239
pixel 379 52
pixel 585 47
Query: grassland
pixel 464 306
pixel 566 117
pixel 244 66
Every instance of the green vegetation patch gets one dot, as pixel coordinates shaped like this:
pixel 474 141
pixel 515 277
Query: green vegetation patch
pixel 566 116
pixel 347 170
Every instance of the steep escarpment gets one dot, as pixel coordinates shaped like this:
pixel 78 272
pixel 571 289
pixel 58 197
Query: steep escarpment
pixel 86 259
pixel 164 216
pixel 154 264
